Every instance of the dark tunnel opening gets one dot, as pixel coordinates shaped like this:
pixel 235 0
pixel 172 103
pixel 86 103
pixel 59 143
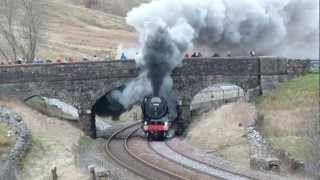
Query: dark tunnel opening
pixel 108 112
pixel 108 106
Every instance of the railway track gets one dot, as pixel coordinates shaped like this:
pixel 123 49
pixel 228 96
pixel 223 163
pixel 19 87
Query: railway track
pixel 227 173
pixel 118 150
pixel 237 174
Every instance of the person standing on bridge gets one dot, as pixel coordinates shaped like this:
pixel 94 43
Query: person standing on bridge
pixel 123 57
pixel 252 53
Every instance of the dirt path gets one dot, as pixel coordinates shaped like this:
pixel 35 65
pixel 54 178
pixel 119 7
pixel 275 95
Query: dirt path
pixel 53 141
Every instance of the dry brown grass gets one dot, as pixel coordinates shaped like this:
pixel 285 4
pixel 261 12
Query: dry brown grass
pixel 75 31
pixel 52 141
pixel 116 7
pixel 223 131
pixel 4 141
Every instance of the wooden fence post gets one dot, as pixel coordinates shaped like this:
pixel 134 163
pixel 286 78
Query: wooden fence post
pixel 92 173
pixel 54 175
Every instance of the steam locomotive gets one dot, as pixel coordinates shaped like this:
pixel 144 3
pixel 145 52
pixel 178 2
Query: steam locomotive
pixel 158 123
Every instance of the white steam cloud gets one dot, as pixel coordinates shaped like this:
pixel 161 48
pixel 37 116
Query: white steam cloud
pixel 134 91
pixel 168 28
pixel 271 27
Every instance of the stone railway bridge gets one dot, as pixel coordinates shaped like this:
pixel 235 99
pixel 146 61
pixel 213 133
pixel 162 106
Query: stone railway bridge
pixel 82 84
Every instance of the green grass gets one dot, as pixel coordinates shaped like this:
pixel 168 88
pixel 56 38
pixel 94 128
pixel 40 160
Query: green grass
pixel 299 92
pixel 3 131
pixel 289 117
pixel 298 146
pixel 85 141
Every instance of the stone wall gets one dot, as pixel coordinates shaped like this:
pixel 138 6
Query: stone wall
pixel 263 156
pixel 68 82
pixel 8 170
pixel 65 72
pixel 273 71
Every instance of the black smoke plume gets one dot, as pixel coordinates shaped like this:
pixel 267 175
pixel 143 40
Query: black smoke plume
pixel 162 49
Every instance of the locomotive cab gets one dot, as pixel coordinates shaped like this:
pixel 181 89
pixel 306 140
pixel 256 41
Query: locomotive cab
pixel 156 121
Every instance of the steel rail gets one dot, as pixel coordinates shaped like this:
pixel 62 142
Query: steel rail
pixel 209 165
pixel 134 156
pixel 181 164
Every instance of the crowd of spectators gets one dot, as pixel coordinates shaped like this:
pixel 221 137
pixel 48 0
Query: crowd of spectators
pixel 66 60
pixel 215 54
pixel 123 57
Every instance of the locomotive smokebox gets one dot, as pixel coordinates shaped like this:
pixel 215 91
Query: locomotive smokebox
pixel 158 122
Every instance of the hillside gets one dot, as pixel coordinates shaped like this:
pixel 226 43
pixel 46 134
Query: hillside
pixel 75 31
pixel 291 118
pixel 115 7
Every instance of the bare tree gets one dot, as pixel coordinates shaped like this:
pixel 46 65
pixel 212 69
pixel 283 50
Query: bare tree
pixel 6 29
pixel 19 29
pixel 31 27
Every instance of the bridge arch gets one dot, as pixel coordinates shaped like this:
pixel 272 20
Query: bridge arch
pixel 89 99
pixel 188 87
pixel 53 107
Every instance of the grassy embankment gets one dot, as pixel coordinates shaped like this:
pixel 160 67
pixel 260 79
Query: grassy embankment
pixel 291 117
pixel 40 105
